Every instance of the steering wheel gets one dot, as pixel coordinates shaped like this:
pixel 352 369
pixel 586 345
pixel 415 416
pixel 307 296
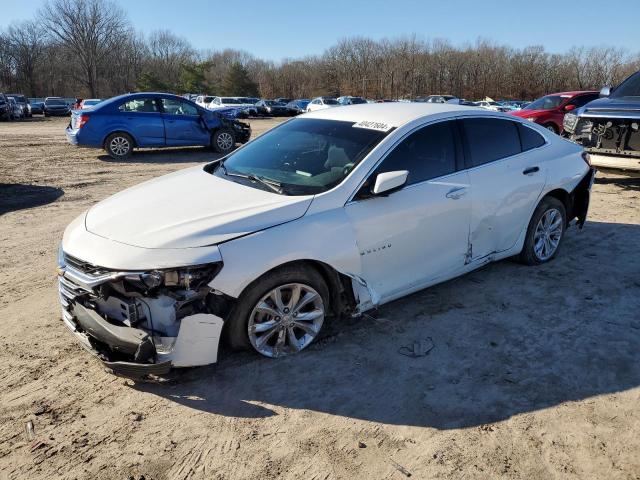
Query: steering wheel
pixel 347 168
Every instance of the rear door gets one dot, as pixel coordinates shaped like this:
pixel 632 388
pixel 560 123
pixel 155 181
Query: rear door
pixel 141 115
pixel 507 175
pixel 183 124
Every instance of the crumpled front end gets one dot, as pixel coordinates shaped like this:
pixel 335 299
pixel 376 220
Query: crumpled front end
pixel 611 137
pixel 141 322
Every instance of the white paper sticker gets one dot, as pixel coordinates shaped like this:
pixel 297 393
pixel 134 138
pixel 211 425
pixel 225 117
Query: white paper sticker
pixel 371 125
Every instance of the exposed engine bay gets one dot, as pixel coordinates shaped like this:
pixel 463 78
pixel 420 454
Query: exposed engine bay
pixel 618 136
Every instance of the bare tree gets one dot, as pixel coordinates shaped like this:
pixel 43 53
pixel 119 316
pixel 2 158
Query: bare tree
pixel 89 29
pixel 26 47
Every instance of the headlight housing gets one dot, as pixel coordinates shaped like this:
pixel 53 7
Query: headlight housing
pixel 187 278
pixel 532 119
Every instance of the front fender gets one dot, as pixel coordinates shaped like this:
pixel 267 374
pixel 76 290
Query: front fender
pixel 326 237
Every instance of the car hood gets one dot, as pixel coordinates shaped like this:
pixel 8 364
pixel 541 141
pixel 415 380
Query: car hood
pixel 528 113
pixel 603 105
pixel 190 208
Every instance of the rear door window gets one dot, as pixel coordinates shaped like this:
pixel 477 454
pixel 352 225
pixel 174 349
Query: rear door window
pixel 427 153
pixel 490 139
pixel 140 105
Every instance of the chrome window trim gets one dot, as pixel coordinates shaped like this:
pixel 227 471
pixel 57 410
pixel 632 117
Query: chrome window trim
pixel 466 169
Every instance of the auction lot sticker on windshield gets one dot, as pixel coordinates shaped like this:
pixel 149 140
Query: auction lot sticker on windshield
pixel 382 127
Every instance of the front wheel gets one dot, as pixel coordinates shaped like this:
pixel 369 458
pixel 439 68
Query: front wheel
pixel 545 232
pixel 281 313
pixel 119 146
pixel 223 140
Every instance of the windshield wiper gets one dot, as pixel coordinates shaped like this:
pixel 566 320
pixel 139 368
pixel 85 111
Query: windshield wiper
pixel 272 184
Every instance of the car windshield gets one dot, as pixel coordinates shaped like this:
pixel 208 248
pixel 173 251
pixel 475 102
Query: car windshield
pixel 207 99
pixel 54 101
pixel 330 101
pixel 356 100
pixel 303 156
pixel 629 88
pixel 546 103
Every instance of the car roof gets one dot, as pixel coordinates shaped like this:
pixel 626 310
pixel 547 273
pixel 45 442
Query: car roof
pixel 393 114
pixel 573 94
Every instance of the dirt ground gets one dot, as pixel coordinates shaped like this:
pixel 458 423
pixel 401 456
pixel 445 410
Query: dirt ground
pixel 534 374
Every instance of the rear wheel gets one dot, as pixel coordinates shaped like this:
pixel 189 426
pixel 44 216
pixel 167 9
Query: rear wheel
pixel 551 127
pixel 281 313
pixel 119 146
pixel 545 232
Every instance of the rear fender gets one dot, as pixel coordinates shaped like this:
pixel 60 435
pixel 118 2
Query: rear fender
pixel 120 130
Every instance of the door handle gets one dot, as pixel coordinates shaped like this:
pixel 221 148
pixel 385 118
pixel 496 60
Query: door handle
pixel 530 170
pixel 456 193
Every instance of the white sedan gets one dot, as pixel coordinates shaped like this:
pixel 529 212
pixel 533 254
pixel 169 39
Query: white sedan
pixel 331 213
pixel 320 103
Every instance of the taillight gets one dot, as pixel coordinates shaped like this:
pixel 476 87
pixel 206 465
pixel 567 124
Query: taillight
pixel 82 119
pixel 587 158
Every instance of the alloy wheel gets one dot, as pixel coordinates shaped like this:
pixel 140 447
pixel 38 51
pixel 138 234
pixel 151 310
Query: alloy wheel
pixel 286 320
pixel 119 146
pixel 224 141
pixel 547 235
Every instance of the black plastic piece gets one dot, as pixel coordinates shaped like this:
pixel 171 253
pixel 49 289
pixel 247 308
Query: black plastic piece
pixel 128 340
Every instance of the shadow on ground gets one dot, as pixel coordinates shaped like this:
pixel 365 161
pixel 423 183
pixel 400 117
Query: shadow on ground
pixel 509 339
pixel 630 182
pixel 167 155
pixel 19 196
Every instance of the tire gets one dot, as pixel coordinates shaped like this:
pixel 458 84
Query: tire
pixel 532 254
pixel 245 312
pixel 551 127
pixel 223 140
pixel 119 146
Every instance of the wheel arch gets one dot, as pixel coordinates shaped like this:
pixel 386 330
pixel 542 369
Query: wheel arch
pixel 119 130
pixel 566 199
pixel 339 285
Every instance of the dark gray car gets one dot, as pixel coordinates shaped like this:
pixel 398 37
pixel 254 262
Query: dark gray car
pixel 23 103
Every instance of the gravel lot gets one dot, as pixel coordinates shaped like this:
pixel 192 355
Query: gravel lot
pixel 535 373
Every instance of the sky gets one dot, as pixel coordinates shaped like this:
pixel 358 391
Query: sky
pixel 277 29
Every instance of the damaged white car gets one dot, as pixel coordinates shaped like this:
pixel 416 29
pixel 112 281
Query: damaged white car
pixel 331 213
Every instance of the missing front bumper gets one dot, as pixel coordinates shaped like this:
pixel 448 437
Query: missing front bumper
pixel 124 368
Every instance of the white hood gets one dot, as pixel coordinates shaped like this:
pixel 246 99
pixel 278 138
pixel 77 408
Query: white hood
pixel 190 208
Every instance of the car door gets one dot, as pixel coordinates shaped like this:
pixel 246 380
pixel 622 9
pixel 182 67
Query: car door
pixel 141 115
pixel 419 233
pixel 183 124
pixel 505 181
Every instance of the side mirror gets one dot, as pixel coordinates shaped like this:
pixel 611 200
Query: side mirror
pixel 568 108
pixel 605 91
pixel 389 181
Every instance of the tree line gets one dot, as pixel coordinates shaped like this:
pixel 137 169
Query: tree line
pixel 89 48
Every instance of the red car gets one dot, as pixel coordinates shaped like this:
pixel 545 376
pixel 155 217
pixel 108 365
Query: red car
pixel 549 110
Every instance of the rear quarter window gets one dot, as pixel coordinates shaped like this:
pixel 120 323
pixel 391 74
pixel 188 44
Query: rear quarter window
pixel 490 139
pixel 529 138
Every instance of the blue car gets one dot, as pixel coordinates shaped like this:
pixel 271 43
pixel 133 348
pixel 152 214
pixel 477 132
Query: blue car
pixel 158 120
